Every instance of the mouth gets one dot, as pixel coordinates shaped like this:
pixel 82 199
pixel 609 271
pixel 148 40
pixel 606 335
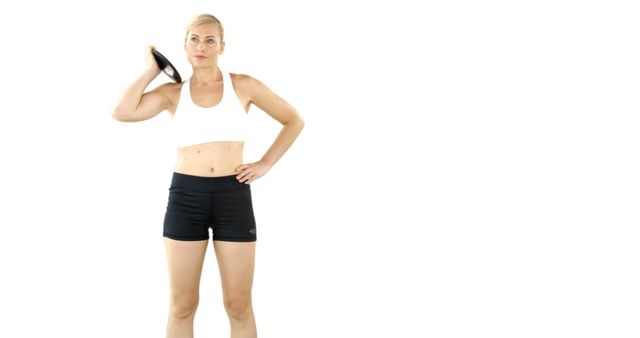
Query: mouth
pixel 200 57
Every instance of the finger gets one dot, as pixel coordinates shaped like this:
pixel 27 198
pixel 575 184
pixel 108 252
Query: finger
pixel 243 176
pixel 249 177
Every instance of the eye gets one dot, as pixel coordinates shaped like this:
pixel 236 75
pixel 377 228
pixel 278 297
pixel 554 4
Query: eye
pixel 211 41
pixel 194 39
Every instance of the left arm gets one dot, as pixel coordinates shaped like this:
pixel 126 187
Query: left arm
pixel 292 124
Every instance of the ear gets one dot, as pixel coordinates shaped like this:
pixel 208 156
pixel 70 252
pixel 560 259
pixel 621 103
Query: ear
pixel 221 48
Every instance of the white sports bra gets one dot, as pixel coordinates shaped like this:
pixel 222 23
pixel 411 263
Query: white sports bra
pixel 226 121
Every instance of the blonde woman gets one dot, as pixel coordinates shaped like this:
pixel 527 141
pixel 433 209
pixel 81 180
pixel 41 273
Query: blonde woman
pixel 210 186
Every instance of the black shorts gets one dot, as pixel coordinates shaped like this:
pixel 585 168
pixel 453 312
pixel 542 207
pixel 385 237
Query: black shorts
pixel 197 203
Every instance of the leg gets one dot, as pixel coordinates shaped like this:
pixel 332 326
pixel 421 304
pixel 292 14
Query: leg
pixel 236 262
pixel 185 259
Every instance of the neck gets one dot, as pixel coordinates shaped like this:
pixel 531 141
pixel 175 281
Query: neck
pixel 205 76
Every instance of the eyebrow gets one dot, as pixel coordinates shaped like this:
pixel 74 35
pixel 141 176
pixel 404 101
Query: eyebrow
pixel 208 36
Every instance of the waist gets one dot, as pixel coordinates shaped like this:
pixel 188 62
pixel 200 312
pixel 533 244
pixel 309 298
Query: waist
pixel 211 159
pixel 206 184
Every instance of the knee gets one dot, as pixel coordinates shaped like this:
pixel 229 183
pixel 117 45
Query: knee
pixel 183 307
pixel 238 307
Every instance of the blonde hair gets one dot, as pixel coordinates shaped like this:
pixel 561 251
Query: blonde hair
pixel 202 19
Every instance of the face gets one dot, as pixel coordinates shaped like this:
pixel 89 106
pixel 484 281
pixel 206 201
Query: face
pixel 203 45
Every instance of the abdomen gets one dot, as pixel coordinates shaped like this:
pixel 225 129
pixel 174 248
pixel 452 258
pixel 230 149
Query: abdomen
pixel 210 159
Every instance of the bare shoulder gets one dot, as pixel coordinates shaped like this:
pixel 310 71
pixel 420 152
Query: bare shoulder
pixel 248 85
pixel 171 91
pixel 241 82
pixel 257 93
pixel 242 85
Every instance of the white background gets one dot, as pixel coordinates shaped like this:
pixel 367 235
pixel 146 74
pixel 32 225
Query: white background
pixel 467 169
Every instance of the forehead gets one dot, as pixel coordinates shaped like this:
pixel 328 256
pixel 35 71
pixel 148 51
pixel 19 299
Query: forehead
pixel 204 30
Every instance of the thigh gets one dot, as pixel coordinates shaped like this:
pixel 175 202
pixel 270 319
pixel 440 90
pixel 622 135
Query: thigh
pixel 185 260
pixel 236 262
pixel 188 215
pixel 232 215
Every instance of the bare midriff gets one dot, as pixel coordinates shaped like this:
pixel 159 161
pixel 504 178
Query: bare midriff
pixel 210 159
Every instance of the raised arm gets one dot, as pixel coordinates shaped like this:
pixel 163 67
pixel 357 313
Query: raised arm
pixel 134 105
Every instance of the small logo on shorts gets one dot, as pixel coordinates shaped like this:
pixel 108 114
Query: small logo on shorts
pixel 252 231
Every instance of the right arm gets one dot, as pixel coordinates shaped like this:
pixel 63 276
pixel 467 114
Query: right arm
pixel 134 105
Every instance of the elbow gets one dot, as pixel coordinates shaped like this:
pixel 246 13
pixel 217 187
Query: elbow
pixel 299 122
pixel 117 115
pixel 120 114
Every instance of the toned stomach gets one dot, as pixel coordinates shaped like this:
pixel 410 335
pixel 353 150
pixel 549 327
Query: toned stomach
pixel 210 159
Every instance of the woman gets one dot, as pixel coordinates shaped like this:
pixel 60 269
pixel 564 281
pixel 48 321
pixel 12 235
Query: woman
pixel 210 186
